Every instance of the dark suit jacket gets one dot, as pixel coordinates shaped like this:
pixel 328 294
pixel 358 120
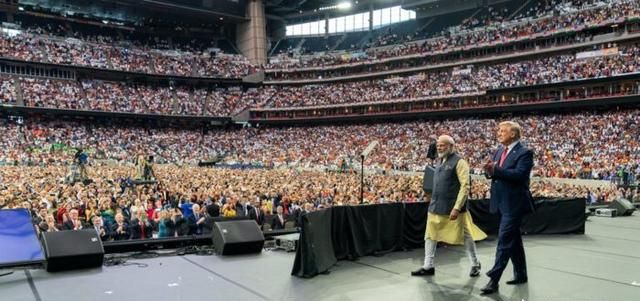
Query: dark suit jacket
pixel 194 228
pixel 510 193
pixel 181 226
pixel 276 224
pixel 297 217
pixel 107 232
pixel 259 219
pixel 240 209
pixel 68 225
pixel 207 226
pixel 120 236
pixel 213 210
pixel 136 230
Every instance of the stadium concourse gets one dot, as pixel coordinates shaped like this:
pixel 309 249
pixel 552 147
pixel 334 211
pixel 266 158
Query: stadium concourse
pixel 184 149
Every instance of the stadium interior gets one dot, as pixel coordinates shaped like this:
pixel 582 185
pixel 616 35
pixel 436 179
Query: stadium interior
pixel 153 123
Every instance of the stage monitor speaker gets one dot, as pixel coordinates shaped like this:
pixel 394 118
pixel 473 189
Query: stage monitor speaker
pixel 623 206
pixel 237 237
pixel 427 179
pixel 72 250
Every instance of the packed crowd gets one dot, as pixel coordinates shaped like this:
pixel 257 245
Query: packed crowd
pixel 111 96
pixel 176 207
pixel 139 98
pixel 489 16
pixel 102 52
pixel 557 18
pixel 480 189
pixel 8 88
pixel 588 145
pixel 613 61
pixel 48 93
pixel 438 59
pixel 135 98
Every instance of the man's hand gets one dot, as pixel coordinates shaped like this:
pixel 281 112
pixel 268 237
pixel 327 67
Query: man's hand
pixel 454 214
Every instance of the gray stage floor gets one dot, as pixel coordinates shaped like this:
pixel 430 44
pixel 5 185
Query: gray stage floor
pixel 601 265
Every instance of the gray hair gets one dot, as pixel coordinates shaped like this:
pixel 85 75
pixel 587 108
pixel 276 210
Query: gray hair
pixel 447 139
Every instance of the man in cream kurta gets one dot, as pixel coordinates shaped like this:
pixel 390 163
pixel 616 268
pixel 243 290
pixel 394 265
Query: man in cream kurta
pixel 448 220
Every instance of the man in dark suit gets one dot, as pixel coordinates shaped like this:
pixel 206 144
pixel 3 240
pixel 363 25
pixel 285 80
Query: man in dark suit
pixel 200 222
pixel 98 225
pixel 509 171
pixel 73 221
pixel 256 214
pixel 120 229
pixel 213 210
pixel 278 220
pixel 141 227
pixel 242 208
pixel 304 209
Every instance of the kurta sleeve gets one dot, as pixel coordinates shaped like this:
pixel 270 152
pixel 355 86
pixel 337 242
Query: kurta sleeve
pixel 462 171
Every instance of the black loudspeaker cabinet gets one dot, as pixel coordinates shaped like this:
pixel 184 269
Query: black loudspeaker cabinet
pixel 72 250
pixel 623 207
pixel 235 237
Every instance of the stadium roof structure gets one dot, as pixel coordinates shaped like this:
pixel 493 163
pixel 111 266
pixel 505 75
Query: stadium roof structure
pixel 219 10
pixel 296 9
pixel 302 10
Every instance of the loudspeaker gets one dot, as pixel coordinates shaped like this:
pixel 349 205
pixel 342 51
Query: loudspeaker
pixel 623 206
pixel 72 250
pixel 234 237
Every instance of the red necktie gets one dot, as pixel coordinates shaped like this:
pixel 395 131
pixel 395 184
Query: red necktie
pixel 142 230
pixel 504 155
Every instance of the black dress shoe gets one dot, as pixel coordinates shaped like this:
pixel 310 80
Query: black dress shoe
pixel 475 271
pixel 490 288
pixel 517 281
pixel 423 272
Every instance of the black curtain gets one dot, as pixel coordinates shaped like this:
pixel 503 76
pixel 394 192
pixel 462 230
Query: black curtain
pixel 556 216
pixel 315 250
pixel 349 232
pixel 415 222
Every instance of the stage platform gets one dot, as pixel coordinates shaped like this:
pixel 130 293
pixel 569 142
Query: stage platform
pixel 603 264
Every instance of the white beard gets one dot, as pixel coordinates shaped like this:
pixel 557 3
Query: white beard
pixel 444 155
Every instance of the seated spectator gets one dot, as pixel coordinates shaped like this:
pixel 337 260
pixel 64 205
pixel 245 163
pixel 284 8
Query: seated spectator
pixel 49 224
pixel 229 210
pixel 166 227
pixel 73 222
pixel 120 230
pixel 180 223
pixel 98 225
